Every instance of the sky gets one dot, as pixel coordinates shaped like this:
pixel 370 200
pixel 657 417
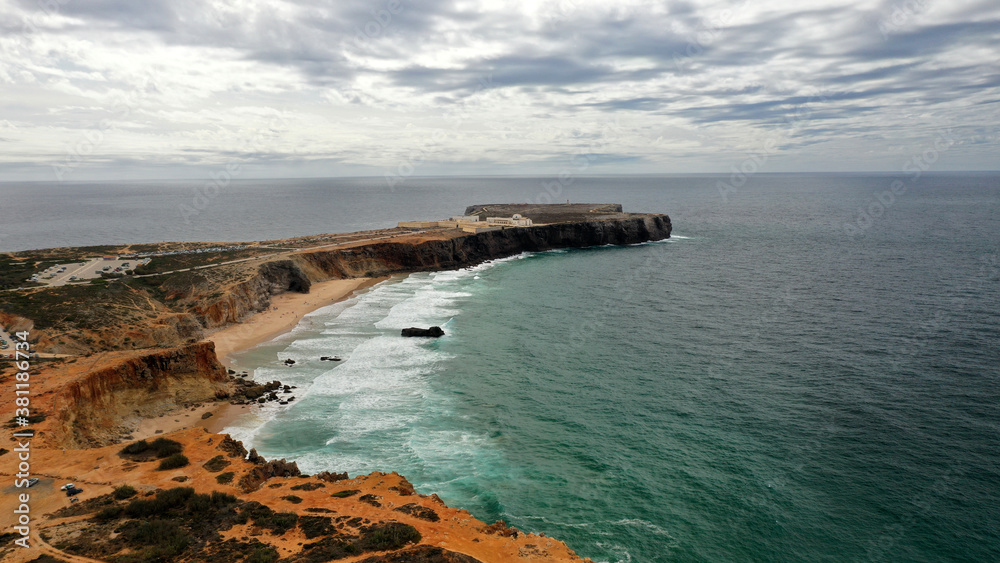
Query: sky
pixel 160 89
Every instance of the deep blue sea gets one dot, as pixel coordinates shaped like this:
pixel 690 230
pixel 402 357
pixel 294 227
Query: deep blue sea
pixel 808 370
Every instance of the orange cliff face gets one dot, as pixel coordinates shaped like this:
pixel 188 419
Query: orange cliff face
pixel 92 401
pixel 98 400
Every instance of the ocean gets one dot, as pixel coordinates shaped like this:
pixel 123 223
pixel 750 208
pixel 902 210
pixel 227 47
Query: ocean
pixel 806 371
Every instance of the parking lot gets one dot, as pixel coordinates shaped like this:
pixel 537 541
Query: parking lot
pixel 62 274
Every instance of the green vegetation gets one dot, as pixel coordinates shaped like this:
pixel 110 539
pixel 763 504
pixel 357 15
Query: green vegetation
pixel 388 536
pixel 293 499
pixel 418 511
pixel 160 264
pixel 346 493
pixel 86 306
pixel 308 487
pixel 384 536
pixel 32 419
pixel 160 448
pixel 224 478
pixel 17 273
pixel 328 549
pixel 181 525
pixel 264 517
pixel 316 526
pixel 8 537
pixel 217 463
pixel 263 554
pixel 124 492
pixel 173 462
pixel 156 540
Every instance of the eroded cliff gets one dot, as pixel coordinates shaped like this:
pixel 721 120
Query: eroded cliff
pixel 101 405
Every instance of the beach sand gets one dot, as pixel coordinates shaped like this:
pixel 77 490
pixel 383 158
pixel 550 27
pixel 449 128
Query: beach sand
pixel 285 312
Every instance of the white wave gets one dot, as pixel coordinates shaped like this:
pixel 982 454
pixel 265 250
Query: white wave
pixel 638 522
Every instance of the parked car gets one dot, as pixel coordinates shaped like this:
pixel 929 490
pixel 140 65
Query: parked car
pixel 32 482
pixel 67 486
pixel 74 491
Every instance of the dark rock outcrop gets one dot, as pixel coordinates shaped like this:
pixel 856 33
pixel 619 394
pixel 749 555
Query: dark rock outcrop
pixel 264 470
pixel 434 331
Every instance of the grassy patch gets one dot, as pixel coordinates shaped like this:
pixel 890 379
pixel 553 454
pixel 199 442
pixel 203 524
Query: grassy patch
pixel 157 449
pixel 345 493
pixel 224 478
pixel 264 517
pixel 216 464
pixel 173 462
pixel 124 492
pixel 308 487
pixel 388 536
pixel 316 526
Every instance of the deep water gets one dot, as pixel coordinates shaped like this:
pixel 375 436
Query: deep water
pixel 762 387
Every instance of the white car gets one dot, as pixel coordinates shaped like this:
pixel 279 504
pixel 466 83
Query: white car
pixel 67 486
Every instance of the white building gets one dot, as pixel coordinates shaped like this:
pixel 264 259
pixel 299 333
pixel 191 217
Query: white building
pixel 516 221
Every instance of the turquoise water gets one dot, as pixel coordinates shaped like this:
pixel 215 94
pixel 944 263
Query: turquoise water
pixel 761 387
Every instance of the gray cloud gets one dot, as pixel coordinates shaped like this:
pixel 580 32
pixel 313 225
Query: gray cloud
pixel 360 82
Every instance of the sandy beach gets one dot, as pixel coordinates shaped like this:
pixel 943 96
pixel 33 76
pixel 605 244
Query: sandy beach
pixel 285 312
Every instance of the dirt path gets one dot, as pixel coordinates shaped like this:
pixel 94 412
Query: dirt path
pixel 47 549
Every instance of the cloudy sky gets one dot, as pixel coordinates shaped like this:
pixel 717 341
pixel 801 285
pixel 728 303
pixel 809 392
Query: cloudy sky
pixel 102 89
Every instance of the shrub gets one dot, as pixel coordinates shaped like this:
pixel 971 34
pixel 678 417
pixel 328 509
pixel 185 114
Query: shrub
pixel 165 447
pixel 163 540
pixel 161 504
pixel 308 487
pixel 135 448
pixel 264 554
pixel 385 537
pixel 124 492
pixel 173 462
pixel 160 448
pixel 328 549
pixel 217 463
pixel 224 478
pixel 108 514
pixel 293 499
pixel 316 526
pixel 346 493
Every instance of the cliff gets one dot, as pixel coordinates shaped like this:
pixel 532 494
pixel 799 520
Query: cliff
pixel 461 251
pixel 442 250
pixel 253 295
pixel 105 403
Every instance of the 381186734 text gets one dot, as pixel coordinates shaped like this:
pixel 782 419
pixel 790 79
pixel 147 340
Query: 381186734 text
pixel 22 437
